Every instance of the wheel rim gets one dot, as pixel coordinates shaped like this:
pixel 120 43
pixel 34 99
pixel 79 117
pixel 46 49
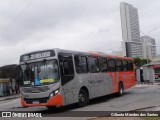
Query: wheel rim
pixel 121 90
pixel 82 98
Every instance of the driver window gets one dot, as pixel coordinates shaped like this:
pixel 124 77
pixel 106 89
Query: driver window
pixel 66 67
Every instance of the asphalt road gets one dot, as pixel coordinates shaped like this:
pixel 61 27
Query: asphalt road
pixel 140 96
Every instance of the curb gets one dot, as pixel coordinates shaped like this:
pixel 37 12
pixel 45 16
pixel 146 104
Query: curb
pixel 139 109
pixel 149 83
pixel 9 98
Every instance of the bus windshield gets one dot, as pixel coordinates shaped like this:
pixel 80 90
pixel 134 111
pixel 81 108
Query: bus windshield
pixel 40 73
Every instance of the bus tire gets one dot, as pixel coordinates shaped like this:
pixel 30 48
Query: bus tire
pixel 82 98
pixel 120 89
pixel 51 107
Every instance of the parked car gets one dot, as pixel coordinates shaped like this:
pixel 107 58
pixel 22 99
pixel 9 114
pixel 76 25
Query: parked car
pixel 157 75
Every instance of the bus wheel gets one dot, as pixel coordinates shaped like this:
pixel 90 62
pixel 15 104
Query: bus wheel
pixel 120 89
pixel 51 107
pixel 83 98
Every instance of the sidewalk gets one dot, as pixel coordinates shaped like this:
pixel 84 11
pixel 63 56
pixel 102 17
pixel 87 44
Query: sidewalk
pixel 151 83
pixel 9 97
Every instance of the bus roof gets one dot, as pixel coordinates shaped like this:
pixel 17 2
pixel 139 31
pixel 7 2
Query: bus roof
pixel 97 54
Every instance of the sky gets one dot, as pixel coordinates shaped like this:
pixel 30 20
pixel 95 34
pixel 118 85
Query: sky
pixel 81 25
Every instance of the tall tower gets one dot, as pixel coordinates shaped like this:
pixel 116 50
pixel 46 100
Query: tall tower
pixel 131 45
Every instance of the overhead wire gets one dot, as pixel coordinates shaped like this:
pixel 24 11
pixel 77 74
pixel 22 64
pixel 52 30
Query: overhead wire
pixel 16 17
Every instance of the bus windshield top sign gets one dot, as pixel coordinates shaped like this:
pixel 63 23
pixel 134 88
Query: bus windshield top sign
pixel 37 55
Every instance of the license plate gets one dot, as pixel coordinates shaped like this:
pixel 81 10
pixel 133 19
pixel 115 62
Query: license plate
pixel 35 102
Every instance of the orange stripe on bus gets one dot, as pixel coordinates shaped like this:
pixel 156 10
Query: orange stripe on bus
pixel 127 78
pixel 56 100
pixel 23 103
pixel 113 78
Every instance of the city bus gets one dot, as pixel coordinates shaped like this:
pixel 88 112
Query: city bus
pixel 58 77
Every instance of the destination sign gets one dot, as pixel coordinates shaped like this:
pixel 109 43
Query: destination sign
pixel 37 55
pixel 40 55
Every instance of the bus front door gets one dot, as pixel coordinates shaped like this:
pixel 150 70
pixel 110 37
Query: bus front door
pixel 67 76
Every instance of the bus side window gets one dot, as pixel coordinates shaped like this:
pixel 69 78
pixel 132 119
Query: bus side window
pixel 81 64
pixel 66 67
pixel 103 64
pixel 125 65
pixel 119 65
pixel 111 65
pixel 130 65
pixel 93 64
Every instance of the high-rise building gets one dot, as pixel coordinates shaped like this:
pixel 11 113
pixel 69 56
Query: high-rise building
pixel 131 45
pixel 148 47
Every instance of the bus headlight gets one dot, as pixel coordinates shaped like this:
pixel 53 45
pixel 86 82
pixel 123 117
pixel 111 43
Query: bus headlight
pixel 51 95
pixel 54 93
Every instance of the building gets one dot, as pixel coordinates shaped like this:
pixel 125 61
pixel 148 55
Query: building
pixel 9 79
pixel 131 45
pixel 3 86
pixel 148 47
pixel 7 86
pixel 117 53
pixel 156 59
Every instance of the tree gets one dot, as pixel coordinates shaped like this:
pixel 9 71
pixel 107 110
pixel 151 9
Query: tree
pixel 7 71
pixel 139 61
pixel 144 61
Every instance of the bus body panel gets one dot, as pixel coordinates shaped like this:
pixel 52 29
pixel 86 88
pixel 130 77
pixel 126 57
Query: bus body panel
pixel 97 84
pixel 105 85
pixel 81 80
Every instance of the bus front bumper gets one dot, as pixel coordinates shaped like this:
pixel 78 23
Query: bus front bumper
pixel 54 101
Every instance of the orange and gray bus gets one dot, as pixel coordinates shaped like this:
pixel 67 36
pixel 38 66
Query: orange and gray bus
pixel 57 77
